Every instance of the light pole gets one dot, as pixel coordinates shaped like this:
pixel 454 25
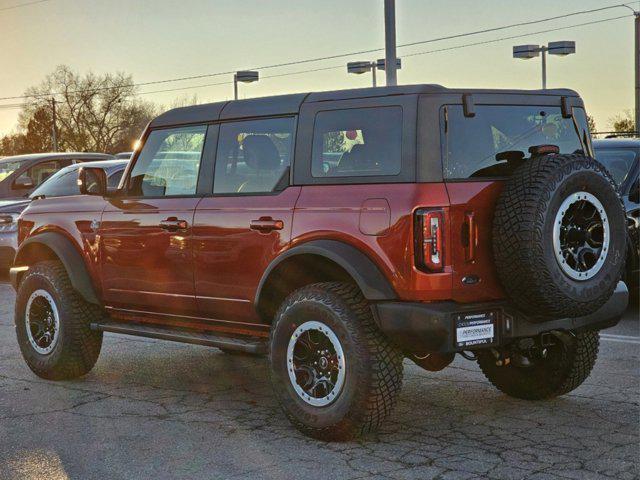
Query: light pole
pixel 244 76
pixel 390 41
pixel 554 48
pixel 359 68
pixel 637 68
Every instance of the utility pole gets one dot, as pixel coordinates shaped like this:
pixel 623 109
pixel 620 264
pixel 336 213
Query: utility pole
pixel 390 42
pixel 637 69
pixel 544 67
pixel 235 86
pixel 54 133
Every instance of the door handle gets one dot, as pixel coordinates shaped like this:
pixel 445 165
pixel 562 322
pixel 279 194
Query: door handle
pixel 266 224
pixel 173 224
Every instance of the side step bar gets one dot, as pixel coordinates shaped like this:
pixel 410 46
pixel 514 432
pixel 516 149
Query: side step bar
pixel 248 345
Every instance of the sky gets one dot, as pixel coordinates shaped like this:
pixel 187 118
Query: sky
pixel 165 39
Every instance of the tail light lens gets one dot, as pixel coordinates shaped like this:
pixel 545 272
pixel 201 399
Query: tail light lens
pixel 430 239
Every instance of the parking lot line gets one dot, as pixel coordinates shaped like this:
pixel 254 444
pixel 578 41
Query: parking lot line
pixel 620 338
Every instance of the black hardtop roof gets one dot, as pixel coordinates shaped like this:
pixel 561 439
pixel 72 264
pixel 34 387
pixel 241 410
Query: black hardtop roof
pixel 290 104
pixel 54 155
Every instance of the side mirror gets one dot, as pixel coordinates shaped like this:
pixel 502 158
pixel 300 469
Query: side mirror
pixel 23 183
pixel 92 181
pixel 634 193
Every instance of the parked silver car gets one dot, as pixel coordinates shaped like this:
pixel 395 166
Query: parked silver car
pixel 61 184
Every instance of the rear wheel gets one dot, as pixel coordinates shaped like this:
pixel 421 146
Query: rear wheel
pixel 535 371
pixel 335 374
pixel 52 324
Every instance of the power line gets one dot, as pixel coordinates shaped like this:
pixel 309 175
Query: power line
pixel 485 42
pixel 335 67
pixel 521 24
pixel 329 57
pixel 456 47
pixel 20 5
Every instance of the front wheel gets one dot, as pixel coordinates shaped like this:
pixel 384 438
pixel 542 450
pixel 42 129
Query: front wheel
pixel 335 374
pixel 53 324
pixel 535 370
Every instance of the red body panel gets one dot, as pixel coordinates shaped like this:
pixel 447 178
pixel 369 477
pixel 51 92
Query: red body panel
pixel 337 213
pixel 230 257
pixel 207 275
pixel 144 266
pixel 472 206
pixel 72 217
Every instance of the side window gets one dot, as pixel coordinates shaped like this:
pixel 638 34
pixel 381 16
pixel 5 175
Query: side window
pixel 40 172
pixel 357 142
pixel 169 163
pixel 254 156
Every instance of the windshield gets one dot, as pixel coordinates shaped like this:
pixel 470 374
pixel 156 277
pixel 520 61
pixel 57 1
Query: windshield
pixel 60 184
pixel 7 167
pixel 497 139
pixel 619 162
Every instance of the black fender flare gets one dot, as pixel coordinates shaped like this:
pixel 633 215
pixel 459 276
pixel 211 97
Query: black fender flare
pixel 70 258
pixel 371 281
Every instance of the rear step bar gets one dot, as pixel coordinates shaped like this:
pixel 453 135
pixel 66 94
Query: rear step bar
pixel 248 345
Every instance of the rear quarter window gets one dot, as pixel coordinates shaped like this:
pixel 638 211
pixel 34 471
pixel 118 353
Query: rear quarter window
pixel 359 142
pixel 497 139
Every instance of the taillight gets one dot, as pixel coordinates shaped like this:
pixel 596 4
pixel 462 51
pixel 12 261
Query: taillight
pixel 430 239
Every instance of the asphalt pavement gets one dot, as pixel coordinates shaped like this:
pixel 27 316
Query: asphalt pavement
pixel 158 410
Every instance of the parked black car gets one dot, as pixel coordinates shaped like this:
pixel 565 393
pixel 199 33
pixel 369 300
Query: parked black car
pixel 621 157
pixel 61 184
pixel 21 174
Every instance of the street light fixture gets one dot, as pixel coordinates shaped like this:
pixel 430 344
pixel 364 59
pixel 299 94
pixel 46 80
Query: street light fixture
pixel 562 49
pixel 244 76
pixel 363 67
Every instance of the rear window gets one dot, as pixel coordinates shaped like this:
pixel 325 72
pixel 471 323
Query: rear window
pixel 497 139
pixel 358 142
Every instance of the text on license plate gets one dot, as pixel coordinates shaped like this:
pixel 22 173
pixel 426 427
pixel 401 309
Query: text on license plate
pixel 475 329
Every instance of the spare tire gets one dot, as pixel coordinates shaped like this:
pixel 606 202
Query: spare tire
pixel 559 236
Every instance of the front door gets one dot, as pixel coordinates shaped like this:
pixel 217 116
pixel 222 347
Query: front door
pixel 146 234
pixel 247 222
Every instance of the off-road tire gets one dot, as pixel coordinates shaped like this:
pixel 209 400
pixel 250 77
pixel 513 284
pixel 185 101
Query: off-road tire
pixel 78 347
pixel 540 382
pixel 373 365
pixel 523 236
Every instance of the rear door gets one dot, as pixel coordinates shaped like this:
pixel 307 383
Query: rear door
pixel 247 221
pixel 479 153
pixel 146 235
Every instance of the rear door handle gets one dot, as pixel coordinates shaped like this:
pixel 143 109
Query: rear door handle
pixel 173 224
pixel 266 224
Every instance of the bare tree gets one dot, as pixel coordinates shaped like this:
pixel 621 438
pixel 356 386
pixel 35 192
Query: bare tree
pixel 93 112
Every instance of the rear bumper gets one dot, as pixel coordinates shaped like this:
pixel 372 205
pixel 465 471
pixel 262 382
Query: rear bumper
pixel 431 327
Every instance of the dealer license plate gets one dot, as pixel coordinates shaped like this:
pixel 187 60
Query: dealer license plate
pixel 475 329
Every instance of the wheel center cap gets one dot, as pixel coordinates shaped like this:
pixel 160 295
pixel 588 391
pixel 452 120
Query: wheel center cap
pixel 324 363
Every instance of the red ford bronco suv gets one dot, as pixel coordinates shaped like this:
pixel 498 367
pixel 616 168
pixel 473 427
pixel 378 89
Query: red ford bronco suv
pixel 341 232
